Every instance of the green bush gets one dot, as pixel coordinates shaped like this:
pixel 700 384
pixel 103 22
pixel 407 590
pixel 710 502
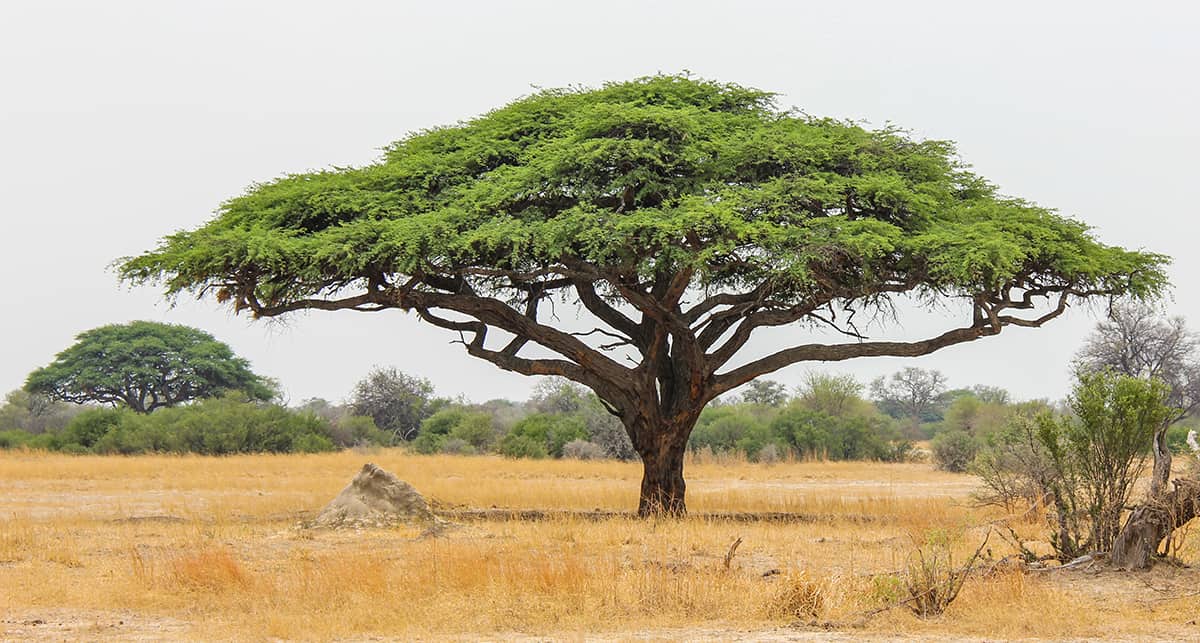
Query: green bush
pixel 852 437
pixel 476 430
pixel 87 428
pixel 522 446
pixel 728 427
pixel 1177 437
pixel 542 433
pixel 358 430
pixel 442 422
pixel 458 446
pixel 429 443
pixel 954 450
pixel 13 438
pixel 212 427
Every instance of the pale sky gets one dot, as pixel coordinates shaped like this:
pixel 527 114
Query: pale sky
pixel 121 122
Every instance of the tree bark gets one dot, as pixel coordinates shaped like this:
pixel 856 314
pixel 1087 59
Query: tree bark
pixel 1137 544
pixel 663 486
pixel 1162 464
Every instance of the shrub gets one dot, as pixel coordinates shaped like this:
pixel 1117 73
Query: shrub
pixel 429 443
pixel 550 432
pixel 931 578
pixel 357 430
pixel 88 427
pixel 443 421
pixel 13 438
pixel 1016 469
pixel 583 450
pixel 522 446
pixel 311 443
pixel 457 446
pixel 476 430
pixel 1097 455
pixel 954 450
pixel 729 427
pixel 769 454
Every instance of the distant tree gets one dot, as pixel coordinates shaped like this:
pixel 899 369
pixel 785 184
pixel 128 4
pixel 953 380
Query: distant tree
pixel 558 395
pixel 990 394
pixel 144 366
pixel 397 402
pixel 765 392
pixel 34 413
pixel 975 417
pixel 836 395
pixel 686 216
pixel 1136 340
pixel 954 450
pixel 913 393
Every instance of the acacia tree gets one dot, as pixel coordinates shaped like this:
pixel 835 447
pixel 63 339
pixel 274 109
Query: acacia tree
pixel 145 366
pixel 684 215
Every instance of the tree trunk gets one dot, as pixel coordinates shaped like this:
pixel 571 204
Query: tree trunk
pixel 1150 523
pixel 1162 464
pixel 662 473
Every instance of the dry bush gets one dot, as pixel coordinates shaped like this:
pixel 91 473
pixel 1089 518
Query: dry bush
pixel 931 578
pixel 799 597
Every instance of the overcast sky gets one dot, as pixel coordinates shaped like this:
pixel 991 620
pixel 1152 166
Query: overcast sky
pixel 121 122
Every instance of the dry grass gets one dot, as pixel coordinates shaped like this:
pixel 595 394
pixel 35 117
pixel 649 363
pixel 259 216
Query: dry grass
pixel 212 543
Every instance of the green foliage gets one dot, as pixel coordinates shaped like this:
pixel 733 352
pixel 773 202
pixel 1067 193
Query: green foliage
pixel 815 434
pixel 458 424
pixel 806 428
pixel 1098 454
pixel 215 426
pixel 144 366
pixel 476 430
pixel 542 434
pixel 87 428
pixel 721 428
pixel 973 416
pixel 836 395
pixel 13 438
pixel 624 176
pixel 1177 437
pixel 765 392
pixel 954 450
pixel 356 430
pixel 522 446
pixel 397 402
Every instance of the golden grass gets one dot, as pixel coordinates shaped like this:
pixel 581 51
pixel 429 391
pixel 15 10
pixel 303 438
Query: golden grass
pixel 213 542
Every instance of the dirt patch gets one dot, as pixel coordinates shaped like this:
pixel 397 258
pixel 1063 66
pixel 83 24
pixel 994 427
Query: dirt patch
pixel 83 625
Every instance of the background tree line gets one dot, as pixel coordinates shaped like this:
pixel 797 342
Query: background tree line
pixel 911 414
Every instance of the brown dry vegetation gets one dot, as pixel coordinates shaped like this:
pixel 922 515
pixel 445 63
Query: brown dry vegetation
pixel 209 548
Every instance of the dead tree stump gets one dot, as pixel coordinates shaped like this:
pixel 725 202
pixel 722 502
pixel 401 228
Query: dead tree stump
pixel 1137 544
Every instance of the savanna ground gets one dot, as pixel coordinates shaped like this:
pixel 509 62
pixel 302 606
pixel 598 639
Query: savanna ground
pixel 152 548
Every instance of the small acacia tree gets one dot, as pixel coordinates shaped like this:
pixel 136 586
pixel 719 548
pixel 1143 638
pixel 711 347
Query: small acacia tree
pixel 146 365
pixel 684 215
